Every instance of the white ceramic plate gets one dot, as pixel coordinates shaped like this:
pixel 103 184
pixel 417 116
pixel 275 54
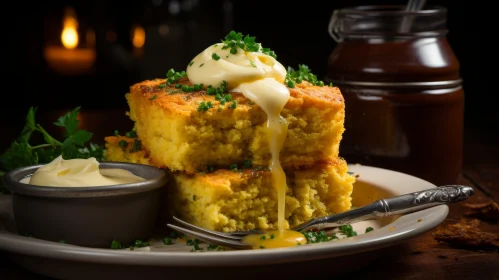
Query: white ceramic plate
pixel 158 260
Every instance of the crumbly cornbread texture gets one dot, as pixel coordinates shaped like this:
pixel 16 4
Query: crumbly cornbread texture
pixel 182 138
pixel 121 149
pixel 226 200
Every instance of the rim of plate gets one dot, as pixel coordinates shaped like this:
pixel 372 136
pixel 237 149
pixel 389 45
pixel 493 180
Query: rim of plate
pixel 402 229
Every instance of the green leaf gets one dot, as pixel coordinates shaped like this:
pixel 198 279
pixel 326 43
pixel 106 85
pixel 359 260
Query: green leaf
pixel 69 121
pixel 21 153
pixel 93 150
pixel 29 127
pixel 17 155
pixel 30 118
pixel 69 149
pixel 46 136
pixel 48 154
pixel 80 137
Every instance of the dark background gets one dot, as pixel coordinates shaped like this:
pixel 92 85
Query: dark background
pixel 176 30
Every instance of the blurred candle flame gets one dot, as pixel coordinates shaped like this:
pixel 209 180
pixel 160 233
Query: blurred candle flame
pixel 69 35
pixel 138 37
pixel 71 58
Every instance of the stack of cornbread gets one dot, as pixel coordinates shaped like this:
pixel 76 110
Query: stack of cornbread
pixel 224 128
pixel 218 159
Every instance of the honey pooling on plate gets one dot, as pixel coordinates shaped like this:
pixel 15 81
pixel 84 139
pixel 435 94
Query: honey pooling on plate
pixel 275 239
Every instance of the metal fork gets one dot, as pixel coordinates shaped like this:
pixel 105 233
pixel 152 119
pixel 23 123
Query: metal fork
pixel 398 205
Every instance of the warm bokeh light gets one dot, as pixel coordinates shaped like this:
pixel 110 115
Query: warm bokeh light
pixel 138 37
pixel 70 21
pixel 72 58
pixel 69 37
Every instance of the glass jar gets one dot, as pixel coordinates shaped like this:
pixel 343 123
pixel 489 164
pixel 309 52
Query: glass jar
pixel 402 88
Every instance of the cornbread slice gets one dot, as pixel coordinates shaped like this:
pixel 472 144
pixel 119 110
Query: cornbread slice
pixel 242 200
pixel 228 201
pixel 180 137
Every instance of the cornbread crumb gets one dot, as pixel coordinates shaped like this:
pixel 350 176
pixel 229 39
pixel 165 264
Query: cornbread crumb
pixel 115 152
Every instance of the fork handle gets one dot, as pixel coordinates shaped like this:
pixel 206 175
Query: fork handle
pixel 397 205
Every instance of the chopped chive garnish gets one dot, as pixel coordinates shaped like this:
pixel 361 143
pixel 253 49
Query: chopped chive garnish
pixel 204 106
pixel 233 105
pixel 136 146
pixel 348 230
pixel 123 143
pixel 235 40
pixel 233 167
pixel 115 245
pixel 249 164
pixel 173 76
pixel 167 241
pixel 303 73
pixel 215 56
pixel 131 134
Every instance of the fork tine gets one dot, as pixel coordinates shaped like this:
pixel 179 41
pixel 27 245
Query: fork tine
pixel 221 241
pixel 207 231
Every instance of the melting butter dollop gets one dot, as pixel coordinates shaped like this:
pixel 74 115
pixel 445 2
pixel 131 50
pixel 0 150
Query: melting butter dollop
pixel 260 78
pixel 80 173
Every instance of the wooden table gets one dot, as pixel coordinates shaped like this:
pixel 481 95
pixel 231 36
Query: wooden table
pixel 421 258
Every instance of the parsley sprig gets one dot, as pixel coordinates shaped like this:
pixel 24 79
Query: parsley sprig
pixel 303 73
pixel 22 152
pixel 236 40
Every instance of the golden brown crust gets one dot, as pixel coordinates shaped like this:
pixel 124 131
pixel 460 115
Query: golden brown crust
pixel 304 95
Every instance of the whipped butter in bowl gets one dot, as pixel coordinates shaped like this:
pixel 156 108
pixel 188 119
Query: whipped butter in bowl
pixel 85 202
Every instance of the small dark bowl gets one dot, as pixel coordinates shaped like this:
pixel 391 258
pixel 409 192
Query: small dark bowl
pixel 88 216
